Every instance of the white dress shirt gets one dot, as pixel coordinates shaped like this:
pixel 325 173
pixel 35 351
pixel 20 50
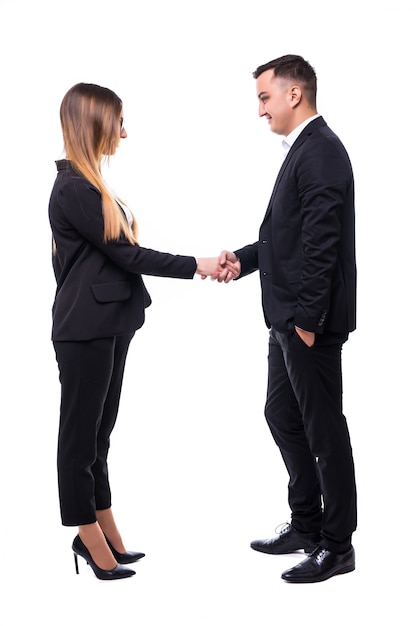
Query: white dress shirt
pixel 289 140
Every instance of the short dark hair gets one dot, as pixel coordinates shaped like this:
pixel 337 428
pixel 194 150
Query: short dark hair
pixel 292 67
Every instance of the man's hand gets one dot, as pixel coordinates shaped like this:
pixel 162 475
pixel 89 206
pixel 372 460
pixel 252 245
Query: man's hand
pixel 306 335
pixel 218 268
pixel 230 266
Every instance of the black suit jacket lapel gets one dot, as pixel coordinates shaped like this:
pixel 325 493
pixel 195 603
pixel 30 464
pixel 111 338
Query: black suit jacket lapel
pixel 306 132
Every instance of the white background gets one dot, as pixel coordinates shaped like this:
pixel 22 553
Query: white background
pixel 194 470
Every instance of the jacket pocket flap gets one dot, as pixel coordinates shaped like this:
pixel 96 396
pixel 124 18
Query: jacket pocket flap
pixel 111 292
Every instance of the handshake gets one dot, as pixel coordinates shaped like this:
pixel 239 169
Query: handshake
pixel 223 268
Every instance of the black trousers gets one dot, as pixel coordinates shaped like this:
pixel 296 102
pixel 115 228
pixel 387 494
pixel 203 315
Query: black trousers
pixel 91 375
pixel 304 413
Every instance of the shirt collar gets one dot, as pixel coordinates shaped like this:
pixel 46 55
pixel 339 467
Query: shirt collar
pixel 289 140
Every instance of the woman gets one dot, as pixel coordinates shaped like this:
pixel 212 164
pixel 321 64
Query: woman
pixel 99 304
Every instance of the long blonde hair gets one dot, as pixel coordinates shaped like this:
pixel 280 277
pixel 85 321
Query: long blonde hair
pixel 91 126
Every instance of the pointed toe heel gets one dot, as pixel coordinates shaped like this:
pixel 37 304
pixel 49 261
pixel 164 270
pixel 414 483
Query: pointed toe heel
pixel 124 558
pixel 79 549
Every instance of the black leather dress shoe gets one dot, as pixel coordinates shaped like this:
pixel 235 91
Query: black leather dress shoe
pixel 288 540
pixel 321 565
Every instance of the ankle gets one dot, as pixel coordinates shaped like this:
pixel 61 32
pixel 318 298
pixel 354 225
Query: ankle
pixel 116 541
pixel 108 526
pixel 92 537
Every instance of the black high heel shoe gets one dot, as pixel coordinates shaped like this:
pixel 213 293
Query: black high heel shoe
pixel 125 557
pixel 119 571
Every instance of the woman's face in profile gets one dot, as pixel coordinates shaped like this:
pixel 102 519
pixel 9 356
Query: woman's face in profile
pixel 121 134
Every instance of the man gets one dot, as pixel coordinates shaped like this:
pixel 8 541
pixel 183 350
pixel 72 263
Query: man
pixel 305 255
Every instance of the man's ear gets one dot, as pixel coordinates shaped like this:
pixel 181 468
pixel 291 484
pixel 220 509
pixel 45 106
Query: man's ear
pixel 294 95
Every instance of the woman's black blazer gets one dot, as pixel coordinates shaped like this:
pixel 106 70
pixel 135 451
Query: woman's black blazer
pixel 100 291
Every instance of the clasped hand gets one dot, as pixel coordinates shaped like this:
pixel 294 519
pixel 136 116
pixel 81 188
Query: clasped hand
pixel 223 268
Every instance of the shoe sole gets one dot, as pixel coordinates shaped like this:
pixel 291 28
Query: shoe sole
pixel 305 550
pixel 344 570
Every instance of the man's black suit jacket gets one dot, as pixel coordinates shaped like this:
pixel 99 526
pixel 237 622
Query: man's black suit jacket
pixel 100 291
pixel 306 248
